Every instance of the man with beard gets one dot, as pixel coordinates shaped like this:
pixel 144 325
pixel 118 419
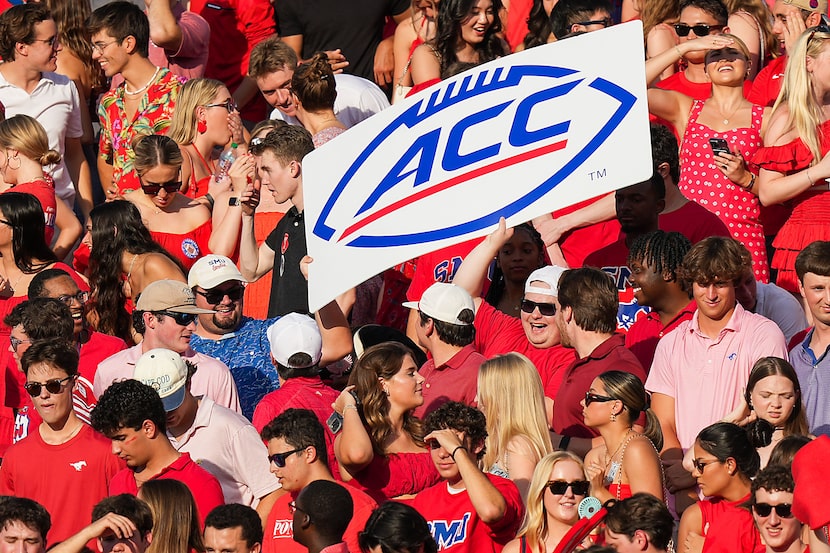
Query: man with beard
pixel 638 210
pixel 94 346
pixel 242 342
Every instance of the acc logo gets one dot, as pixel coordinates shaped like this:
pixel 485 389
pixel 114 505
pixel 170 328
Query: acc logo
pixel 522 129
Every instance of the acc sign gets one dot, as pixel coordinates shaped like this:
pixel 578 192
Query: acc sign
pixel 515 138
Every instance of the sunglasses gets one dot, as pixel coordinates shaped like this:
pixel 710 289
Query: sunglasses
pixel 725 54
pixel 559 487
pixel 607 22
pixel 701 29
pixel 182 319
pixel 279 458
pixel 783 510
pixel 700 466
pixel 228 104
pixel 214 297
pixel 80 297
pixel 591 398
pixel 15 342
pixel 153 188
pixel 52 386
pixel 545 309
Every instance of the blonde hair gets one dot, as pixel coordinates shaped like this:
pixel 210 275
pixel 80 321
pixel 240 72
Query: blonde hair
pixel 511 396
pixel 27 136
pixel 194 93
pixel 762 15
pixel 535 524
pixel 797 93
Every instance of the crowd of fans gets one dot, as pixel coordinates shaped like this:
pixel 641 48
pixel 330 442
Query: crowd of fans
pixel 644 371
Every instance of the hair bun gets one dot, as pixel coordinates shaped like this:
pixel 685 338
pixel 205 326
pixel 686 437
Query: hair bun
pixel 760 432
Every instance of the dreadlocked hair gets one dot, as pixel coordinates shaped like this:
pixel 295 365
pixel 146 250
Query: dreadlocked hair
pixel 662 250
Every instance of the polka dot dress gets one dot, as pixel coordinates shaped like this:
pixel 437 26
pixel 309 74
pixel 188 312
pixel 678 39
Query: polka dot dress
pixel 703 182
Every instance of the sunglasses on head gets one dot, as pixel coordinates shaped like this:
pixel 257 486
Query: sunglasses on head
pixel 153 188
pixel 228 104
pixel 214 297
pixel 279 458
pixel 54 386
pixel 559 487
pixel 545 309
pixel 592 397
pixel 15 342
pixel 783 510
pixel 182 319
pixel 701 29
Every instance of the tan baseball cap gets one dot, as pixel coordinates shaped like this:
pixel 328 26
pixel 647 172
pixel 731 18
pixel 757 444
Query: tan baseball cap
pixel 169 295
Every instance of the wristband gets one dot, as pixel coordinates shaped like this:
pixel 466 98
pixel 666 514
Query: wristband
pixel 456 449
pixel 210 200
pixel 563 443
pixel 751 182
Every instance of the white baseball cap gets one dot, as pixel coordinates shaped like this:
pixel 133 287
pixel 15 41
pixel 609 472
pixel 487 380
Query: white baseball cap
pixel 165 371
pixel 295 333
pixel 212 270
pixel 444 302
pixel 550 275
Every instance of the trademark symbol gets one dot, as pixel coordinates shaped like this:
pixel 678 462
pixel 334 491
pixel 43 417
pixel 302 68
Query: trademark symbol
pixel 596 175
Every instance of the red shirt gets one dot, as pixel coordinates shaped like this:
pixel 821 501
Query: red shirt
pixel 438 266
pixel 203 485
pixel 455 380
pixel 643 336
pixel 697 91
pixel 68 479
pixel 46 196
pixel 693 221
pixel 613 259
pixel 610 355
pixel 767 82
pixel 498 333
pixel 301 393
pixel 578 243
pixel 279 532
pixel 96 349
pixel 728 527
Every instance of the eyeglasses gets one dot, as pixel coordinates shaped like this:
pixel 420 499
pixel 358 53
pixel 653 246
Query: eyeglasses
pixel 701 29
pixel 783 510
pixel 591 398
pixel 51 41
pixel 153 188
pixel 52 386
pixel 607 22
pixel 700 466
pixel 182 319
pixel 228 104
pixel 279 458
pixel 545 309
pixel 292 508
pixel 81 297
pixel 7 223
pixel 101 46
pixel 559 487
pixel 15 342
pixel 214 297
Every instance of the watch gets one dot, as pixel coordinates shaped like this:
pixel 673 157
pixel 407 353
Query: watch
pixel 233 201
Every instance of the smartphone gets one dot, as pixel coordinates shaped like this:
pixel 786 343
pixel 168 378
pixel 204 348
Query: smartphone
pixel 335 422
pixel 719 146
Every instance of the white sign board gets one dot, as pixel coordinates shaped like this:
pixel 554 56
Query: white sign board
pixel 520 136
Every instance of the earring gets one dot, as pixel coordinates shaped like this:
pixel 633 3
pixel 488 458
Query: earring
pixel 386 391
pixel 201 127
pixel 613 417
pixel 10 162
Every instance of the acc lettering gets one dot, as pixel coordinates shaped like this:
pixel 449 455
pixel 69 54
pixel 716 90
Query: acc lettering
pixel 450 533
pixel 283 529
pixel 445 271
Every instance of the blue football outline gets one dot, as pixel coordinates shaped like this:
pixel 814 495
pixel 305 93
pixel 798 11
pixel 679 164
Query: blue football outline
pixel 414 115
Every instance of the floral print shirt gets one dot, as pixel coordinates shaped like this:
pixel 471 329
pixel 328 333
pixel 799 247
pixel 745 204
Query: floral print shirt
pixel 155 110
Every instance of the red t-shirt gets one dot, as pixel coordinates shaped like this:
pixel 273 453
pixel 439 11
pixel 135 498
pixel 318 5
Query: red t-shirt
pixel 456 380
pixel 203 485
pixel 67 479
pixel 439 266
pixel 767 82
pixel 455 524
pixel 643 336
pixel 279 532
pixel 693 221
pixel 727 527
pixel 498 333
pixel 610 355
pixel 578 243
pixel 45 194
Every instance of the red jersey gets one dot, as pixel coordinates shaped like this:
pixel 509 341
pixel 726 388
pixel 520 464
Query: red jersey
pixel 643 336
pixel 767 82
pixel 439 266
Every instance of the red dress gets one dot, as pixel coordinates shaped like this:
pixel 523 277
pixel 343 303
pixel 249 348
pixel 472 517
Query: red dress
pixel 704 183
pixel 187 247
pixel 811 209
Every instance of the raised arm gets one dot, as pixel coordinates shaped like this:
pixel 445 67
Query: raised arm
pixel 353 446
pixel 473 270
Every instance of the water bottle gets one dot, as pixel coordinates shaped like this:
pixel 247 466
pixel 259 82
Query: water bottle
pixel 225 161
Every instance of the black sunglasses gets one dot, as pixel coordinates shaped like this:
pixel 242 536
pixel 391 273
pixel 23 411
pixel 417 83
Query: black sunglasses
pixel 559 487
pixel 591 398
pixel 700 466
pixel 182 319
pixel 228 104
pixel 214 297
pixel 545 309
pixel 701 29
pixel 607 22
pixel 279 458
pixel 54 386
pixel 153 188
pixel 783 510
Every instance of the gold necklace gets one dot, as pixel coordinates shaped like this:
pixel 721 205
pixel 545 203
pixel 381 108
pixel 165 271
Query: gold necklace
pixel 726 118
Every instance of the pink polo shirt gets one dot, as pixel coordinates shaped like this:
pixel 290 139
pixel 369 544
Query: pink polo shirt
pixel 705 376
